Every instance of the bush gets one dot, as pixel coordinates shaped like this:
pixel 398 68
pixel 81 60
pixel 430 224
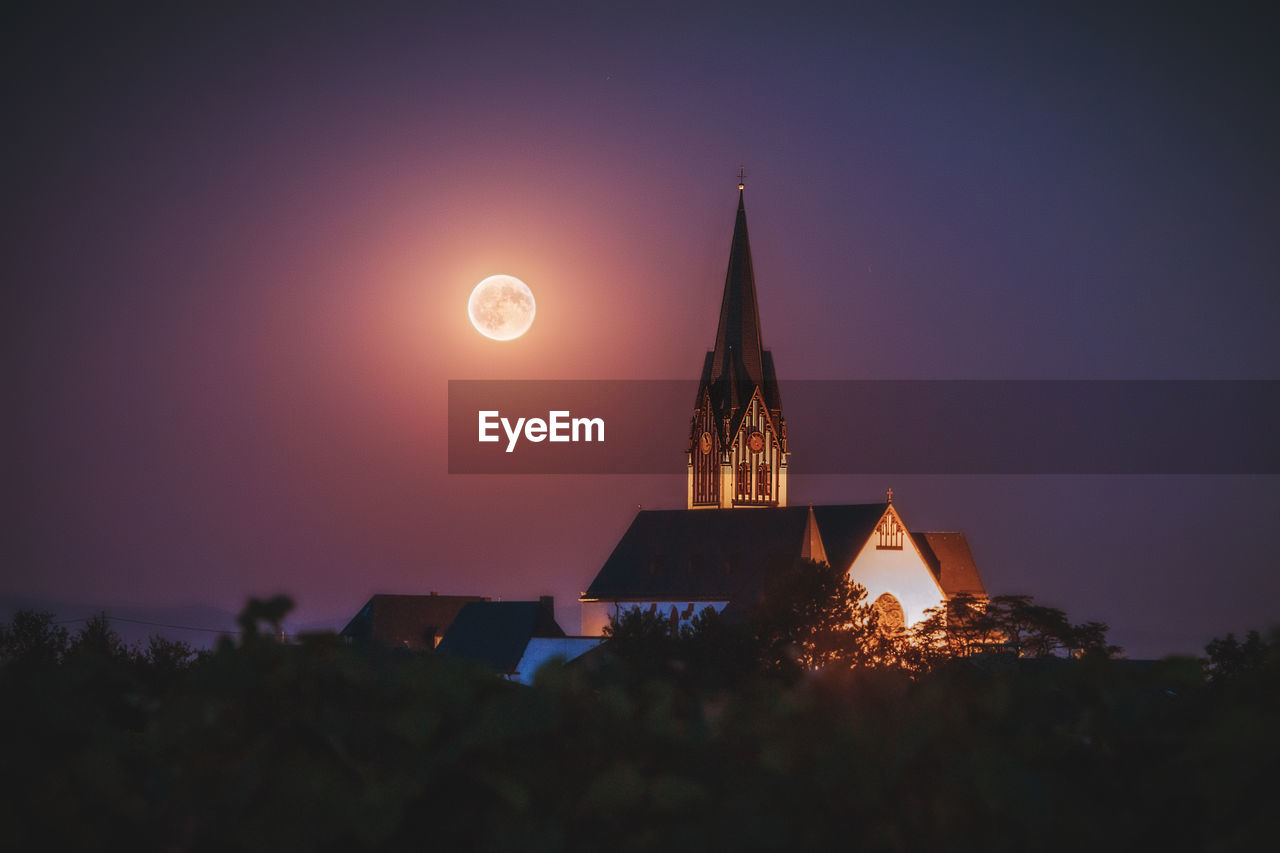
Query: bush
pixel 261 745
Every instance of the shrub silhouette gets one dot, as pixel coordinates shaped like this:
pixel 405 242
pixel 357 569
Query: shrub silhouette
pixel 314 745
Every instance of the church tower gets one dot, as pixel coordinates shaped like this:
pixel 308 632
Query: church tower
pixel 738 437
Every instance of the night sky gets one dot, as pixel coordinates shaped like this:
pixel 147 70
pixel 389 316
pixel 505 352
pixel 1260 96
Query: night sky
pixel 238 247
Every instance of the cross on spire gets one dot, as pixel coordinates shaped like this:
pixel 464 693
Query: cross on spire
pixel 742 176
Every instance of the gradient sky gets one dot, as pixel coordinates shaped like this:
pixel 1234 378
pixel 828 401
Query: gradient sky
pixel 239 245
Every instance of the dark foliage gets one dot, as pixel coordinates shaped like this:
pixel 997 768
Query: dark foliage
pixel 809 616
pixel 1007 624
pixel 32 639
pixel 261 745
pixel 97 641
pixel 812 615
pixel 1229 658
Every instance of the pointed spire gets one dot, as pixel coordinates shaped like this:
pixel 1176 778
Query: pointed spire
pixel 738 351
pixel 737 368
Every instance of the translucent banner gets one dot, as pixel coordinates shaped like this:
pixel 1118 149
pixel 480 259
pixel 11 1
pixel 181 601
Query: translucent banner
pixel 880 427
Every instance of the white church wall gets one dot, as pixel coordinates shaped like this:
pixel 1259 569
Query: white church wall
pixel 596 614
pixel 902 573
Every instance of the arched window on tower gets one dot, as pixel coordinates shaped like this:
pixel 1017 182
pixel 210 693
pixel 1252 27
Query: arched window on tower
pixel 743 486
pixel 764 488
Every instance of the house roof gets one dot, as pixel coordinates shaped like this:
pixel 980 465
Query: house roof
pixel 926 551
pixel 951 560
pixel 845 528
pixel 723 554
pixel 496 633
pixel 542 650
pixel 406 621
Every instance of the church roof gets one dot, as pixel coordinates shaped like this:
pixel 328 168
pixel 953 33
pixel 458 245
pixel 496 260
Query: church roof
pixel 723 554
pixel 949 556
pixel 739 363
pixel 496 633
pixel 406 621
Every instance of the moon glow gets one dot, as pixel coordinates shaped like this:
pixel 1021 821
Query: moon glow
pixel 501 307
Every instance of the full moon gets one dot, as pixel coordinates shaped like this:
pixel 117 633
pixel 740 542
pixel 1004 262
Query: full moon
pixel 501 307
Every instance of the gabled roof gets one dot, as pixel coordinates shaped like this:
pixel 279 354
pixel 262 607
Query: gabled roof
pixel 845 528
pixel 406 621
pixel 738 364
pixel 949 556
pixel 723 554
pixel 496 633
pixel 926 551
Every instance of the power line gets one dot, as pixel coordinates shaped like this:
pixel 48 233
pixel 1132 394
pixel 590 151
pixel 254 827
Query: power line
pixel 227 631
pixel 145 622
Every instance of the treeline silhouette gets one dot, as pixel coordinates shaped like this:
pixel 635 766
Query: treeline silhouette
pixel 316 745
pixel 812 616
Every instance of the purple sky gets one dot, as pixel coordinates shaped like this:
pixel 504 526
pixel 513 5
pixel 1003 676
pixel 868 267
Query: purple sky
pixel 238 249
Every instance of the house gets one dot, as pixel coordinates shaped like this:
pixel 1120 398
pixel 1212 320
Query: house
pixel 513 638
pixel 414 622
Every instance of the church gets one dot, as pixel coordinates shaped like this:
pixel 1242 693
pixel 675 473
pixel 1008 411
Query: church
pixel 737 528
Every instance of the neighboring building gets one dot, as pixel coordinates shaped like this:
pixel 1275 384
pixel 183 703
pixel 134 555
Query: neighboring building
pixel 513 638
pixel 413 622
pixel 737 526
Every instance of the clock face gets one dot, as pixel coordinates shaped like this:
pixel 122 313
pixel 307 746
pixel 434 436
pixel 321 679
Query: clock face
pixel 756 442
pixel 705 443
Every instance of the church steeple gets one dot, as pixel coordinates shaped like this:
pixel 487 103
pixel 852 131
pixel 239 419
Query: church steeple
pixel 737 362
pixel 737 453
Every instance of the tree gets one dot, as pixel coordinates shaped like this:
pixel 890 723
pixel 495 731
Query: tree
pixel 1015 624
pixel 813 615
pixel 97 640
pixel 1228 657
pixel 32 638
pixel 719 652
pixel 1090 639
pixel 959 627
pixel 809 616
pixel 636 634
pixel 167 658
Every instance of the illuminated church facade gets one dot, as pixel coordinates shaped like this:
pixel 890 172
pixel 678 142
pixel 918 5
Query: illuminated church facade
pixel 737 528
